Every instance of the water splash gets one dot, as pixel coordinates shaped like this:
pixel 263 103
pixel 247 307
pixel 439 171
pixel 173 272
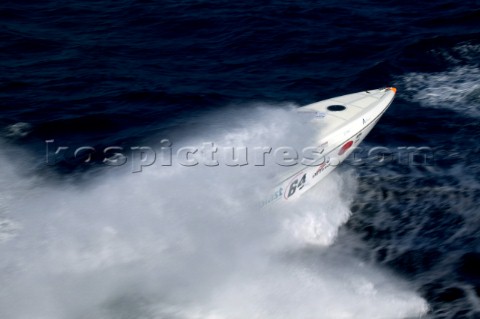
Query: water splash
pixel 191 242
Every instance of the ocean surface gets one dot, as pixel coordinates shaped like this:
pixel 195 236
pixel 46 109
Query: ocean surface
pixel 391 238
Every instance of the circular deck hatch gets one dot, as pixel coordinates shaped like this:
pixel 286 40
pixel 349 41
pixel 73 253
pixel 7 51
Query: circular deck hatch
pixel 336 108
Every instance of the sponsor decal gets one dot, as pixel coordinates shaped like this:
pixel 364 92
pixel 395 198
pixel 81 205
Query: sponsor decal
pixel 345 147
pixel 357 138
pixel 273 197
pixel 321 168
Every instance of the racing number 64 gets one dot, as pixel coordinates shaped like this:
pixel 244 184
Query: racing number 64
pixel 297 184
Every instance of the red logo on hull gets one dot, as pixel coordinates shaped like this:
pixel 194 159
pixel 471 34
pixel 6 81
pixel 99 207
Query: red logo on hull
pixel 345 147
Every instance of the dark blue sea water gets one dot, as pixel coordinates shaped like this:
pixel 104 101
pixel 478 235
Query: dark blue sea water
pixel 84 240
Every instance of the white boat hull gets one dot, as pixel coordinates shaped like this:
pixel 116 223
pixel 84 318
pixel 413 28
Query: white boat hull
pixel 341 131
